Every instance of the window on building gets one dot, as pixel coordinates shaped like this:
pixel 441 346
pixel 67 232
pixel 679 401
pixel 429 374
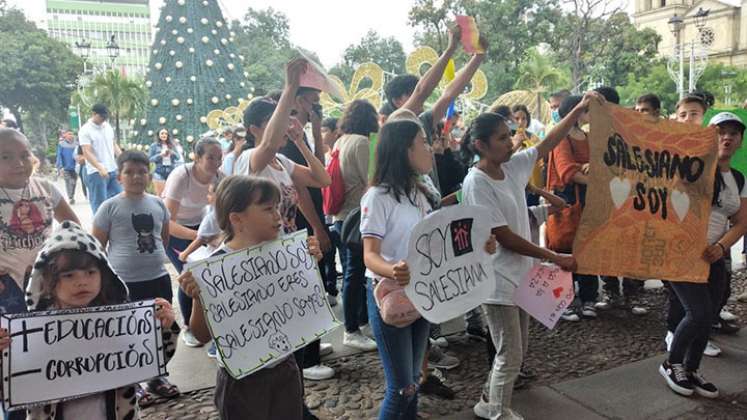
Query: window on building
pixel 663 3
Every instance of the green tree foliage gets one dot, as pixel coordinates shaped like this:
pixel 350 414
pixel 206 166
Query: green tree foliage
pixel 263 39
pixel 600 43
pixel 126 97
pixel 511 27
pixel 37 75
pixel 386 52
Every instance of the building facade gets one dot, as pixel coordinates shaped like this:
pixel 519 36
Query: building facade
pixel 724 33
pixel 96 21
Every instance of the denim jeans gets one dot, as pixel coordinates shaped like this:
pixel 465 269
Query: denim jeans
pixel 509 331
pixel 353 287
pixel 700 303
pixel 328 264
pixel 176 246
pixel 402 351
pixel 100 189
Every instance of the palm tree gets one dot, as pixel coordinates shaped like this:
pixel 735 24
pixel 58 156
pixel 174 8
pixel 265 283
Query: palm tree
pixel 124 96
pixel 537 74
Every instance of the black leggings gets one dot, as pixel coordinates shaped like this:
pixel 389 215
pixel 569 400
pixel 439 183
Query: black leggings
pixel 697 306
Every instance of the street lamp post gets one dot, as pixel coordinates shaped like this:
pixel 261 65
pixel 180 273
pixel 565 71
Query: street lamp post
pixel 112 49
pixel 84 50
pixel 698 52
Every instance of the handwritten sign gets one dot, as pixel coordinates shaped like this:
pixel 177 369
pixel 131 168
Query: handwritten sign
pixel 263 303
pixel 649 197
pixel 545 293
pixel 470 35
pixel 450 271
pixel 64 354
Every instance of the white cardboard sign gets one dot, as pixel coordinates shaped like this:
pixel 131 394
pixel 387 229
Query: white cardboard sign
pixel 263 303
pixel 64 354
pixel 450 272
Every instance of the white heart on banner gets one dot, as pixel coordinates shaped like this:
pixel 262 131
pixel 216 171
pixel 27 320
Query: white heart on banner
pixel 620 190
pixel 681 204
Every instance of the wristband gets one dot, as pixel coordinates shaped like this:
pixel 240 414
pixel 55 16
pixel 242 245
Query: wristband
pixel 723 248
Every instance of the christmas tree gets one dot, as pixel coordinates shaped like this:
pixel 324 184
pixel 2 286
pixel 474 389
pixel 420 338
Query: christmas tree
pixel 194 69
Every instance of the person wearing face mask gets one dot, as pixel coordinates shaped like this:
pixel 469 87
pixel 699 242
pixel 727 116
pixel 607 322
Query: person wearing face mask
pixel 555 100
pixel 567 176
pixel 700 302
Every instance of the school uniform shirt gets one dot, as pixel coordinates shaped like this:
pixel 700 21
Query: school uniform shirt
pixel 182 186
pixel 507 199
pixel 26 217
pixel 134 226
pixel 101 140
pixel 729 199
pixel 384 218
pixel 282 177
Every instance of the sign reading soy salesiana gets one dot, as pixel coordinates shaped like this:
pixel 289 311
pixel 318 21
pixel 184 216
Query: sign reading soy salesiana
pixel 451 273
pixel 263 303
pixel 63 354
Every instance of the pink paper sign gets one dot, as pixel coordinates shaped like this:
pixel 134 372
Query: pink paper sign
pixel 470 34
pixel 545 293
pixel 315 77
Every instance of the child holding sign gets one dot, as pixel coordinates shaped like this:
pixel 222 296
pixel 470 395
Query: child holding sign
pixel 395 203
pixel 498 181
pixel 247 209
pixel 72 272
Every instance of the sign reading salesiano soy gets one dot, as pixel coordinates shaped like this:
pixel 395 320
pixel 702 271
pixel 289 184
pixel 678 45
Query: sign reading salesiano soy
pixel 648 199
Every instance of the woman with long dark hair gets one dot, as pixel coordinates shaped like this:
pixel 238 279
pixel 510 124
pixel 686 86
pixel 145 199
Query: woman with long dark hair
pixel 164 154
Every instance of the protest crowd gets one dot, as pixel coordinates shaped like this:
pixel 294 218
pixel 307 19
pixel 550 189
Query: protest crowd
pixel 359 186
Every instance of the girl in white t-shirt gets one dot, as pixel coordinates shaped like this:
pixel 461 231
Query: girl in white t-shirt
pixel 394 204
pixel 499 181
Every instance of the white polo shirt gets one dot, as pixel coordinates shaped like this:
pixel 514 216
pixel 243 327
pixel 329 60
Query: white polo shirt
pixel 101 140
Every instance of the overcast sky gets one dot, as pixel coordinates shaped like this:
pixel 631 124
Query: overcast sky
pixel 326 27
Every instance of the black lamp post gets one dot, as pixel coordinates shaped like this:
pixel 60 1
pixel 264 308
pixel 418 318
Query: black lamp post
pixel 112 49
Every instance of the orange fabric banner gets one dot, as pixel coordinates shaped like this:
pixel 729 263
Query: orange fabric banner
pixel 648 199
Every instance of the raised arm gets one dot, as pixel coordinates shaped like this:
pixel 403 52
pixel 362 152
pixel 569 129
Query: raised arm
pixel 433 76
pixel 460 81
pixel 274 135
pixel 561 130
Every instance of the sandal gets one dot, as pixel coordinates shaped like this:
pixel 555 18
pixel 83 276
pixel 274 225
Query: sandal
pixel 163 388
pixel 144 398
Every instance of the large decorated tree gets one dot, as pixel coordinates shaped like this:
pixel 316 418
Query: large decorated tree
pixel 194 69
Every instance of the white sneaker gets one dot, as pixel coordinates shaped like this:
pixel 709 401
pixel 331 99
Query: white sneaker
pixel 358 341
pixel 668 339
pixel 367 331
pixel 728 316
pixel 482 410
pixel 712 350
pixel 440 342
pixel 325 349
pixel 189 339
pixel 318 373
pixel 332 300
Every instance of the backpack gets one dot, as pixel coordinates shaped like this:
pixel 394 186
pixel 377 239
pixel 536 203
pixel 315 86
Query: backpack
pixel 333 196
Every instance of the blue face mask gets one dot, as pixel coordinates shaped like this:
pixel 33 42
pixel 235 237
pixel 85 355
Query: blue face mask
pixel 512 126
pixel 556 116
